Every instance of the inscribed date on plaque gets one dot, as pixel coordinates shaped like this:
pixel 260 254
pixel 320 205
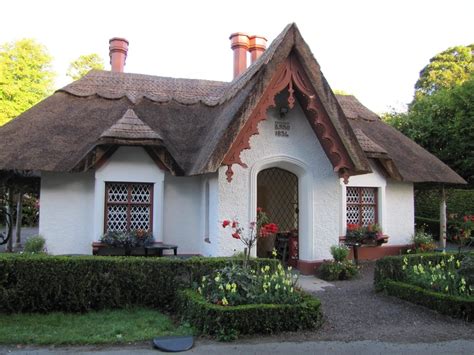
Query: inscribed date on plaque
pixel 282 128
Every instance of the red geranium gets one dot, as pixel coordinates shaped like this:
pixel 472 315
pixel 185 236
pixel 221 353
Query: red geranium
pixel 225 223
pixel 236 235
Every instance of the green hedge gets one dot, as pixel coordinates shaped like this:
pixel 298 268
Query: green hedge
pixel 231 321
pixel 389 277
pixel 38 283
pixel 459 201
pixel 446 304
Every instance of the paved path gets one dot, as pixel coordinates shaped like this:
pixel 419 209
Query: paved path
pixel 310 347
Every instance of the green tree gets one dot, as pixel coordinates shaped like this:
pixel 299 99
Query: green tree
pixel 445 70
pixel 442 123
pixel 82 65
pixel 25 77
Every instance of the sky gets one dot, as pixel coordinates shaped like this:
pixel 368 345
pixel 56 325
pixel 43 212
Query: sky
pixel 371 49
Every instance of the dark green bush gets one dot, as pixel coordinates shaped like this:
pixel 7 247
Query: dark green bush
pixel 450 305
pixel 459 202
pixel 230 321
pixel 40 283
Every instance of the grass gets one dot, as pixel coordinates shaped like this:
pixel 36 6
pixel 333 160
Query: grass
pixel 108 326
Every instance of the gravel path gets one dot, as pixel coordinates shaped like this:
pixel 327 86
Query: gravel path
pixel 353 311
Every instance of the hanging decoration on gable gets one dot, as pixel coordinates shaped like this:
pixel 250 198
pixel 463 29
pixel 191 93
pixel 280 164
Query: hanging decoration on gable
pixel 289 76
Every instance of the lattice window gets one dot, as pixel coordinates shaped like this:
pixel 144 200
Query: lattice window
pixel 361 205
pixel 128 206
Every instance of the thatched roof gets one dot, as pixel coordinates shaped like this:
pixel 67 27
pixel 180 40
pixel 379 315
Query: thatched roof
pixel 195 121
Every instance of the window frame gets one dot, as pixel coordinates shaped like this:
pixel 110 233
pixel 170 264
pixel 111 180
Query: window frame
pixel 361 204
pixel 129 202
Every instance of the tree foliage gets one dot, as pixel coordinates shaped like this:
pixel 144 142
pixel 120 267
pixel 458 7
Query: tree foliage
pixel 25 77
pixel 440 117
pixel 445 70
pixel 82 65
pixel 442 123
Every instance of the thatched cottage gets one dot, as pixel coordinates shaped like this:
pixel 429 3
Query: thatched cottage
pixel 121 151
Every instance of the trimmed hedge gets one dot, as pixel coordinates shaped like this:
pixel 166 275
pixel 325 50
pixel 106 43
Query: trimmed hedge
pixel 459 201
pixel 230 321
pixel 40 283
pixel 446 304
pixel 390 277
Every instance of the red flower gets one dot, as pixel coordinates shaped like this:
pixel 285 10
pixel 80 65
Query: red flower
pixel 352 226
pixel 259 209
pixel 225 223
pixel 271 228
pixel 236 235
pixel 235 224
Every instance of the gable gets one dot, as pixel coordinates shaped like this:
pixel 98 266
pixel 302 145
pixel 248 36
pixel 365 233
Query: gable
pixel 292 78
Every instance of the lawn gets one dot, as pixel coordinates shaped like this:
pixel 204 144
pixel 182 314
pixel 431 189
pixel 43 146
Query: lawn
pixel 108 326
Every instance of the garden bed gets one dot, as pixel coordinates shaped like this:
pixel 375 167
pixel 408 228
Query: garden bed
pixel 436 281
pixel 230 321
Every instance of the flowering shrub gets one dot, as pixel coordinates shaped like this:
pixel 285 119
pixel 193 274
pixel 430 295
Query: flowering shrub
pixel 423 241
pixel 259 229
pixel 340 268
pixel 136 238
pixel 441 277
pixel 359 234
pixel 235 285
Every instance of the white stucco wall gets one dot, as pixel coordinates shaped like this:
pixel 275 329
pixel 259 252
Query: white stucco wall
pixel 395 205
pixel 66 212
pixel 400 221
pixel 319 190
pixel 129 164
pixel 183 214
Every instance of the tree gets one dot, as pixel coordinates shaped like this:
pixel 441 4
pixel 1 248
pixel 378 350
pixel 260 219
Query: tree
pixel 442 123
pixel 445 70
pixel 82 65
pixel 25 77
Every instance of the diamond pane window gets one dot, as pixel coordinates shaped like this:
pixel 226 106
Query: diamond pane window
pixel 361 205
pixel 128 206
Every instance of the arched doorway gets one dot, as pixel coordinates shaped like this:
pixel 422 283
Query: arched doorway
pixel 277 195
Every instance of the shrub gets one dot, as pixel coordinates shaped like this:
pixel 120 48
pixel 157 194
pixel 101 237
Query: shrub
pixel 467 269
pixel 338 270
pixel 234 285
pixel 423 241
pixel 339 252
pixel 390 275
pixel 40 283
pixel 227 322
pixel 35 245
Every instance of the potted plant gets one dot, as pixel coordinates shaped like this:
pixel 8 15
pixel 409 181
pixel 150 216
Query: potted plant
pixel 126 241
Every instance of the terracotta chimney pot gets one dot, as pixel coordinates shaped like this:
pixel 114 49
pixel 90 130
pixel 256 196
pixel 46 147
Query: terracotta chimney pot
pixel 239 42
pixel 257 45
pixel 118 48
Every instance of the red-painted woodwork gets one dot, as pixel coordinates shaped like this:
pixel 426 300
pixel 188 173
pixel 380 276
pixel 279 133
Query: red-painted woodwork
pixel 288 76
pixel 118 48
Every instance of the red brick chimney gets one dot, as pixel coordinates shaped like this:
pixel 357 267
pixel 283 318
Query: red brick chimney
pixel 118 48
pixel 239 42
pixel 257 45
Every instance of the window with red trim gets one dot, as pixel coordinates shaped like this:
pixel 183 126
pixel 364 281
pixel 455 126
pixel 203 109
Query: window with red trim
pixel 361 205
pixel 128 207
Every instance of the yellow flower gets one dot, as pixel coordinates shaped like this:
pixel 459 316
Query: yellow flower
pixel 228 286
pixel 274 253
pixel 217 278
pixel 224 301
pixel 199 290
pixel 221 287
